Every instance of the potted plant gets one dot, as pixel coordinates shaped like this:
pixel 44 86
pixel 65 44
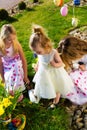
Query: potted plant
pixel 8 103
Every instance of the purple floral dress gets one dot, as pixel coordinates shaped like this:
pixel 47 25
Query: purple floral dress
pixel 13 71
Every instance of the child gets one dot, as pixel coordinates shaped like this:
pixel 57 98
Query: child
pixel 72 49
pixel 74 55
pixel 51 79
pixel 13 66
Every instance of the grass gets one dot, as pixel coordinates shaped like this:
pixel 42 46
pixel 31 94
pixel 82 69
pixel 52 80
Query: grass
pixel 47 15
pixel 40 118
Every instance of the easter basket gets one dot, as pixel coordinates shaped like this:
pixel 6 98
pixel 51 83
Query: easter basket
pixel 18 122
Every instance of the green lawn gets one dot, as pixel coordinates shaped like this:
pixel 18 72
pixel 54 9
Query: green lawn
pixel 47 15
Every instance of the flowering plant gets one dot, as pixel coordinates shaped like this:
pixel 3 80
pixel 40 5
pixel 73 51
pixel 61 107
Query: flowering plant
pixel 8 102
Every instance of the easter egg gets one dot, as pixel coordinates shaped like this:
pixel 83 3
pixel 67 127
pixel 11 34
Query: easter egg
pixel 58 2
pixel 64 10
pixel 76 2
pixel 74 22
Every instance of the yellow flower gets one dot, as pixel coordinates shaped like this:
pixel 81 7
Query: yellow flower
pixel 1 110
pixel 2 84
pixel 30 102
pixel 6 102
pixel 11 97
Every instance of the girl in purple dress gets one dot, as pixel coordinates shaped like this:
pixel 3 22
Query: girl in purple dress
pixel 13 65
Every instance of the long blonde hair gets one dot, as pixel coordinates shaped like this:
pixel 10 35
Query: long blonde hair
pixel 71 49
pixel 6 30
pixel 39 37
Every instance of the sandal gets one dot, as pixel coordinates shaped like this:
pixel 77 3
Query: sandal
pixel 52 106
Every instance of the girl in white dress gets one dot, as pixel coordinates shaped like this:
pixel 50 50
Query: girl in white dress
pixel 13 66
pixel 74 55
pixel 51 79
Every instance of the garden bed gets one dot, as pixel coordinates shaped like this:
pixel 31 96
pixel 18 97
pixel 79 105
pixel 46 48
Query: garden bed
pixel 80 33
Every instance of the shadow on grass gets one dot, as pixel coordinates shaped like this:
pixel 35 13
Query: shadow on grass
pixel 11 19
pixel 7 21
pixel 30 9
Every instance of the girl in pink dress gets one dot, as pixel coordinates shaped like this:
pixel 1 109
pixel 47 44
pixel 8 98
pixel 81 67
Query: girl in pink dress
pixel 73 52
pixel 13 66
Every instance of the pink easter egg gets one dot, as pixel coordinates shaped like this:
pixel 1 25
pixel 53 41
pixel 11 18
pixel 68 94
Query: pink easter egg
pixel 64 10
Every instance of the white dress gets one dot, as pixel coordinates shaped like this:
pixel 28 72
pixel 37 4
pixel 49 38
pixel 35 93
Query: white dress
pixel 13 71
pixel 49 80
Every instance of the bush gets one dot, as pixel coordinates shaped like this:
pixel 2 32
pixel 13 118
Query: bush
pixel 35 1
pixel 22 5
pixel 3 14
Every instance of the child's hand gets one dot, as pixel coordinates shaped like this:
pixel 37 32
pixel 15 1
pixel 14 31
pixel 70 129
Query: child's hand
pixel 11 92
pixel 82 67
pixel 26 80
pixel 35 67
pixel 52 63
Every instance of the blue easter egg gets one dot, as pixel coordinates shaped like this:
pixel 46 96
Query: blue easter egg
pixel 76 2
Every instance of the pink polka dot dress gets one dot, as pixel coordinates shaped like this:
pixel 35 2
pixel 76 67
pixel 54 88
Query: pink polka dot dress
pixel 13 71
pixel 79 77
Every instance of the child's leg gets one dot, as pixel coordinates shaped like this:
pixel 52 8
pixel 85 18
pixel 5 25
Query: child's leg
pixel 56 100
pixel 19 98
pixel 1 70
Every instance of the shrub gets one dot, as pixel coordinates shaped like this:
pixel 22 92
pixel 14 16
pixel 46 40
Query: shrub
pixel 22 5
pixel 35 1
pixel 3 14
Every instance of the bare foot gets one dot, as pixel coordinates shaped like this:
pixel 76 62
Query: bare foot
pixel 20 98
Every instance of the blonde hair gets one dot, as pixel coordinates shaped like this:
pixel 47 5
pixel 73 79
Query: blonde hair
pixel 39 37
pixel 6 31
pixel 71 49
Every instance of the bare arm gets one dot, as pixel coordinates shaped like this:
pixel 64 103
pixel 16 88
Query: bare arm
pixel 24 62
pixel 1 70
pixel 56 62
pixel 83 67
